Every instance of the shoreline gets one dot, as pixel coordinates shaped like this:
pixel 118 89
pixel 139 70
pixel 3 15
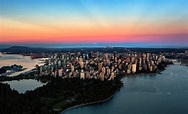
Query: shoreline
pixel 20 77
pixel 91 103
pixel 19 59
pixel 105 100
pixel 119 77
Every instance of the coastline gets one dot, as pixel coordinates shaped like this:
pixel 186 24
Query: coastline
pixel 91 103
pixel 105 100
pixel 119 77
pixel 102 101
pixel 19 59
pixel 79 111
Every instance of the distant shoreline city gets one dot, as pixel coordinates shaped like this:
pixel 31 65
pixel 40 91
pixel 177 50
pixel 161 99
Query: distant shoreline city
pixel 99 45
pixel 98 63
pixel 104 62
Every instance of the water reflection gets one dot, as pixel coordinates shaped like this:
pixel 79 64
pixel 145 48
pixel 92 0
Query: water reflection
pixel 25 61
pixel 24 85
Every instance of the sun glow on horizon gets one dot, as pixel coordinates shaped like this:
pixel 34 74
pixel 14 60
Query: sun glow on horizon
pixel 81 21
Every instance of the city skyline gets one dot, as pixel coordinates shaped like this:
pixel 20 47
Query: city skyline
pixel 140 23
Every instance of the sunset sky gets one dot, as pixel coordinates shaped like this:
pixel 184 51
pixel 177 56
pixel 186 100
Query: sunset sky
pixel 160 22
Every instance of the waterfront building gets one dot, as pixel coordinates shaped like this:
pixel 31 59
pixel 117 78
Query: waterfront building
pixel 145 67
pixel 129 66
pixel 128 71
pixel 82 74
pixel 151 68
pixel 140 68
pixel 134 67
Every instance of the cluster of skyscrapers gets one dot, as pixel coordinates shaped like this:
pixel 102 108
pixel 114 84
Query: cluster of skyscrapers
pixel 99 65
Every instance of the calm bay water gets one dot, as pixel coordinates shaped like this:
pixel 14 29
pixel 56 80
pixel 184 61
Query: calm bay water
pixel 25 61
pixel 164 93
pixel 23 85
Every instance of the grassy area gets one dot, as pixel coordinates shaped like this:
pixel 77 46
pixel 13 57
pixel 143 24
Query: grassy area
pixel 60 105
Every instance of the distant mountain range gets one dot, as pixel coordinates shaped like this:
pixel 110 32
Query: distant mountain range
pixel 22 49
pixel 25 49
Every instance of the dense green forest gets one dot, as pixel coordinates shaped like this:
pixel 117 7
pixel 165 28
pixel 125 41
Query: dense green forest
pixel 56 95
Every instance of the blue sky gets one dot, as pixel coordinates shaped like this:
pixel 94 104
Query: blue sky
pixel 94 21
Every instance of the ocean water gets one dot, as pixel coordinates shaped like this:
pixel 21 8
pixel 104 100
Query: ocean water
pixel 164 93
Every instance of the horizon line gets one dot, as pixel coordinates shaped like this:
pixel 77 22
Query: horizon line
pixel 98 45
